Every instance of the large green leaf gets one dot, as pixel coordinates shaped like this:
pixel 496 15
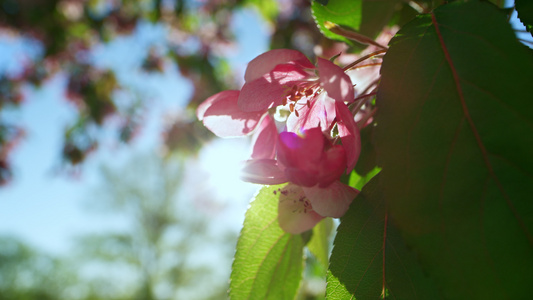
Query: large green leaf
pixel 341 12
pixel 366 167
pixel 376 14
pixel 524 8
pixel 268 262
pixel 359 266
pixel 320 241
pixel 455 139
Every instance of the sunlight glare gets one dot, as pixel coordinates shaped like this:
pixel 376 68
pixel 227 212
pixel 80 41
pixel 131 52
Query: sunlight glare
pixel 222 160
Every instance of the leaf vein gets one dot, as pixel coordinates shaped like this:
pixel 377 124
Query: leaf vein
pixel 483 234
pixel 482 40
pixel 517 114
pixel 374 212
pixel 263 260
pixel 273 279
pixel 479 142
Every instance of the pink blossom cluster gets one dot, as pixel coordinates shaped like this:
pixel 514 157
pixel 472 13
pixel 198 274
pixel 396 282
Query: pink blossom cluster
pixel 319 140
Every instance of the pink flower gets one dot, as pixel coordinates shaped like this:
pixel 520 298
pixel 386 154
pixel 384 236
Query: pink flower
pixel 282 76
pixel 222 113
pixel 301 208
pixel 223 117
pixel 304 155
pixel 265 139
pixel 287 77
pixel 310 159
pixel 312 165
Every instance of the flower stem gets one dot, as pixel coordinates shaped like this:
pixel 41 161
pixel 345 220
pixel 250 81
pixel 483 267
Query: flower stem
pixel 365 96
pixel 348 67
pixel 371 85
pixel 360 101
pixel 367 65
pixel 361 123
pixel 352 35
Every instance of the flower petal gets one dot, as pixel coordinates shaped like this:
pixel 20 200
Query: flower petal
pixel 200 111
pixel 335 81
pixel 271 88
pixel 300 151
pixel 222 116
pixel 332 201
pixel 295 214
pixel 265 139
pixel 349 133
pixel 332 165
pixel 321 112
pixel 263 171
pixel 265 62
pixel 302 177
pixel 364 77
pixel 300 156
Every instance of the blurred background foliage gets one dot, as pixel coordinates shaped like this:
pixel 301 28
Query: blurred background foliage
pixel 157 254
pixel 198 39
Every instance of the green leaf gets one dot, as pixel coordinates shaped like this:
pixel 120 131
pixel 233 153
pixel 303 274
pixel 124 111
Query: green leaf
pixel 403 15
pixel 319 243
pixel 268 262
pixel 524 8
pixel 376 14
pixel 366 168
pixel 454 139
pixel 498 3
pixel 341 12
pixel 359 181
pixel 367 160
pixel 356 265
pixel 366 165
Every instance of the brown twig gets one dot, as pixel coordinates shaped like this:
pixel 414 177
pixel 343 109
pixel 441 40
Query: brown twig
pixel 348 67
pixel 352 35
